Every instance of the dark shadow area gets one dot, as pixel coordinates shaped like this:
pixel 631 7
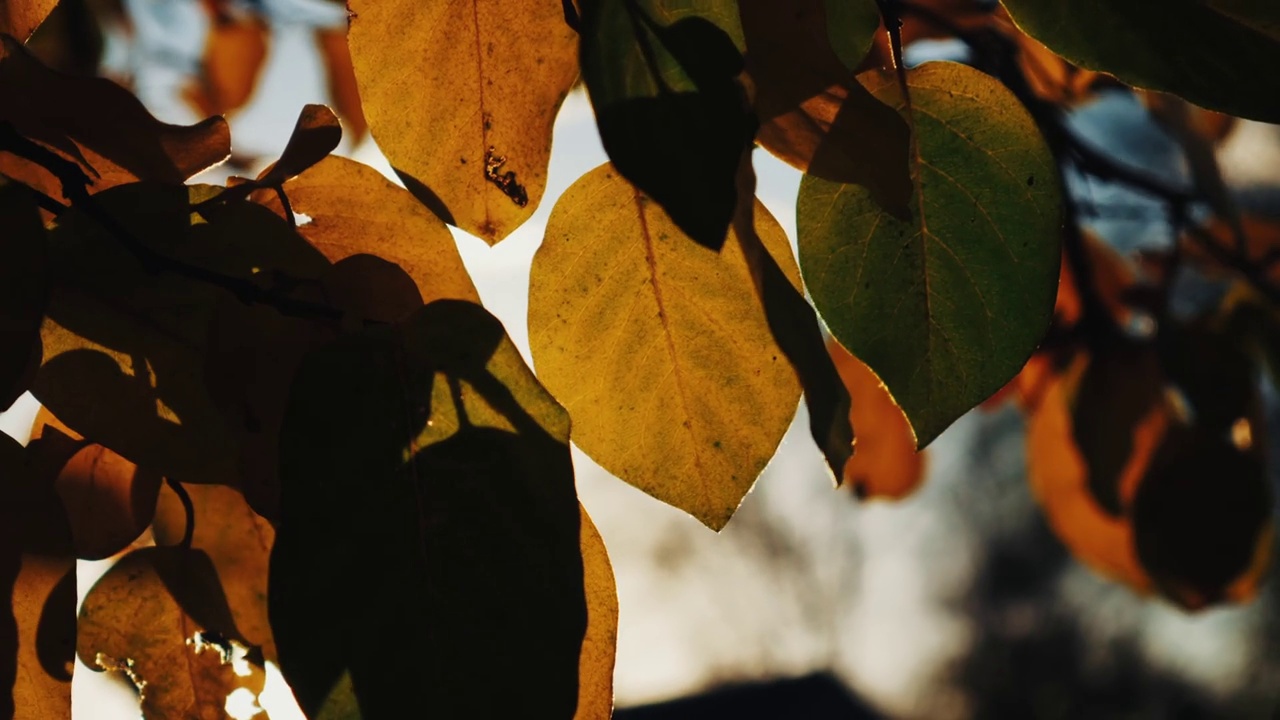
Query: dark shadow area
pixel 429 535
pixel 813 697
pixel 680 148
pixel 24 290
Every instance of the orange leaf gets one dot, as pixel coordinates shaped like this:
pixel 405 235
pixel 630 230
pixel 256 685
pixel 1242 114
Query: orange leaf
pixel 885 463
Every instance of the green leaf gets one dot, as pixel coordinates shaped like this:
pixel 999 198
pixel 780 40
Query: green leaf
pixel 851 28
pixel 461 97
pixel 24 290
pixel 429 533
pixel 660 348
pixel 1182 47
pixel 946 306
pixel 663 79
pixel 159 616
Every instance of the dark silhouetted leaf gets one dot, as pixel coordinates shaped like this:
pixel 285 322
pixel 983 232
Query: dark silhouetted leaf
pixel 461 96
pixel 429 534
pixel 673 116
pixel 161 614
pixel 947 306
pixel 885 464
pixel 24 291
pixel 813 113
pixel 99 129
pixel 1184 48
pixel 660 348
pixel 125 343
pixel 1261 15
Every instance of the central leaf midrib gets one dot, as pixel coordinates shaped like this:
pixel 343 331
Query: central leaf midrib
pixel 651 262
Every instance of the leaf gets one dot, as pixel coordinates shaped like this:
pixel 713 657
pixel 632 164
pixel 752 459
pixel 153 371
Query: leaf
pixel 429 535
pixel 659 347
pixel 1202 518
pixel 813 113
pixel 238 542
pixel 1261 15
pixel 315 135
pixel 947 306
pixel 37 584
pixel 886 464
pixel 599 645
pixel 109 501
pixel 673 117
pixel 851 28
pixel 1186 48
pixel 99 131
pixel 24 291
pixel 354 210
pixel 798 333
pixel 160 617
pixel 234 51
pixel 20 18
pixel 126 343
pixel 1059 477
pixel 461 97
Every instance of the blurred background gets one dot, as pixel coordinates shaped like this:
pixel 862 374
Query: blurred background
pixel 956 602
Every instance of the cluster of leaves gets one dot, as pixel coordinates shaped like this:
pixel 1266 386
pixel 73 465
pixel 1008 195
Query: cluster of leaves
pixel 314 447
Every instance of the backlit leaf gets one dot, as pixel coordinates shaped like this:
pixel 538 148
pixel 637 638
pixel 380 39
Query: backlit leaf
pixel 159 616
pixel 659 347
pixel 1059 478
pixel 20 18
pixel 37 593
pixel 98 129
pixel 663 77
pixel 23 289
pixel 813 113
pixel 238 542
pixel 1184 48
pixel 885 464
pixel 461 96
pixel 599 645
pixel 354 210
pixel 109 501
pixel 429 539
pixel 947 306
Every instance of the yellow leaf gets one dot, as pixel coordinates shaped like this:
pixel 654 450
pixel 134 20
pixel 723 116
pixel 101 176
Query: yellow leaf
pixel 659 347
pixel 461 96
pixel 354 210
pixel 595 666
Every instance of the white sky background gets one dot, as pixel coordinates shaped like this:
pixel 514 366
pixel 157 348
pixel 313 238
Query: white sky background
pixel 803 578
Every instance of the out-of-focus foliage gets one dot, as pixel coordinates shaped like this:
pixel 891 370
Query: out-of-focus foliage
pixel 280 407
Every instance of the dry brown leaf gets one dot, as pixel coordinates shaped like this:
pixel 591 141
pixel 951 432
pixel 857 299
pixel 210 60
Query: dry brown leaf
pixel 20 18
